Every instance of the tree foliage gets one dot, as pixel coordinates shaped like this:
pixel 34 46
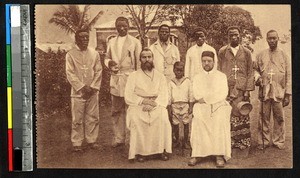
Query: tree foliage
pixel 215 19
pixel 144 16
pixel 70 19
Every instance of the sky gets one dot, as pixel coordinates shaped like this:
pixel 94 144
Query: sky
pixel 277 17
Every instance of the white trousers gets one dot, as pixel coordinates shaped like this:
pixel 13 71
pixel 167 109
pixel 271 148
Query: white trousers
pixel 85 120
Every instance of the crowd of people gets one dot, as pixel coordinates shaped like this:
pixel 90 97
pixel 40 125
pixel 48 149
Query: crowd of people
pixel 160 102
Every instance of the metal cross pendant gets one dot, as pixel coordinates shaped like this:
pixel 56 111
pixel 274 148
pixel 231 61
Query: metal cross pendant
pixel 235 69
pixel 271 73
pixel 84 68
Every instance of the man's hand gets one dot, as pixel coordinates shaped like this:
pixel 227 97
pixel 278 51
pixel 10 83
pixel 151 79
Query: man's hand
pixel 87 92
pixel 286 100
pixel 147 108
pixel 113 66
pixel 150 102
pixel 200 101
pixel 259 82
pixel 246 96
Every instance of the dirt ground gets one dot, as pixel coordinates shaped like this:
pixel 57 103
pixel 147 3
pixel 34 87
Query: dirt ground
pixel 54 149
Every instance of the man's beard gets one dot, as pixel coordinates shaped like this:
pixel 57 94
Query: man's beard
pixel 147 66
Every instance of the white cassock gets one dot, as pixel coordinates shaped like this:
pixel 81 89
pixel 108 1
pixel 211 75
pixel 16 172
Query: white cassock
pixel 193 63
pixel 210 133
pixel 150 132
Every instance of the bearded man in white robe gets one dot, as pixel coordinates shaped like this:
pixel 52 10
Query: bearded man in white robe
pixel 210 133
pixel 146 94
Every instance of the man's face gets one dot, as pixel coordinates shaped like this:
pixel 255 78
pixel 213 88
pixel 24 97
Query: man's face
pixel 122 28
pixel 179 71
pixel 147 60
pixel 272 39
pixel 234 37
pixel 207 63
pixel 164 34
pixel 200 38
pixel 82 40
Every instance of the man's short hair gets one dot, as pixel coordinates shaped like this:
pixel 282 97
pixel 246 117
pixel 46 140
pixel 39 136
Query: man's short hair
pixel 145 49
pixel 209 54
pixel 233 28
pixel 199 29
pixel 79 31
pixel 164 25
pixel 122 19
pixel 177 63
pixel 272 31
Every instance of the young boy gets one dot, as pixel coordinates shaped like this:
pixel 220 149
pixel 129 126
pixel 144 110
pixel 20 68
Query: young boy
pixel 180 101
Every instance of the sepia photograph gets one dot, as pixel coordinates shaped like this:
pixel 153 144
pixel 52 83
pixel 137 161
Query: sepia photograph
pixel 163 86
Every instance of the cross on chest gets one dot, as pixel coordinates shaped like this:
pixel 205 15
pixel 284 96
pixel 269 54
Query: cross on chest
pixel 85 69
pixel 271 73
pixel 235 69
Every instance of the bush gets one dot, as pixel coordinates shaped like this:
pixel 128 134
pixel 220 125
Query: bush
pixel 52 86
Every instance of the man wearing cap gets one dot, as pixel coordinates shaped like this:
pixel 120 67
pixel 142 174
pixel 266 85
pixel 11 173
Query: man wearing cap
pixel 122 58
pixel 193 64
pixel 84 73
pixel 210 134
pixel 236 62
pixel 273 76
pixel 165 52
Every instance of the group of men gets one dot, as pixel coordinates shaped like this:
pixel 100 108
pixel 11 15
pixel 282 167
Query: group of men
pixel 155 97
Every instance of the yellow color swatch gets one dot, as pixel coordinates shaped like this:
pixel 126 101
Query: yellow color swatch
pixel 9 107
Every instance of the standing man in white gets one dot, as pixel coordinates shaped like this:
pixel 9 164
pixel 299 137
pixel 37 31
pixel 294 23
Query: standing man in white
pixel 84 73
pixel 122 58
pixel 193 64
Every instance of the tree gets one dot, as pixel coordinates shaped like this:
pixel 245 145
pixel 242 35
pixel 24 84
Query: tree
pixel 183 13
pixel 144 16
pixel 70 19
pixel 215 19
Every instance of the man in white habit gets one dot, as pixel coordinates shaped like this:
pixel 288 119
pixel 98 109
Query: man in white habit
pixel 146 93
pixel 165 52
pixel 193 64
pixel 122 58
pixel 84 73
pixel 210 134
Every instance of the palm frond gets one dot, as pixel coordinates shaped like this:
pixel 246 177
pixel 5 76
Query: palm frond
pixel 82 15
pixel 63 24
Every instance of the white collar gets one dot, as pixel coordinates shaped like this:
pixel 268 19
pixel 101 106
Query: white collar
pixel 204 44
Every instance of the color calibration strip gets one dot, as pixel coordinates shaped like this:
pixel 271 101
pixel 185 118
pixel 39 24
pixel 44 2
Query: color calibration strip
pixel 19 94
pixel 9 88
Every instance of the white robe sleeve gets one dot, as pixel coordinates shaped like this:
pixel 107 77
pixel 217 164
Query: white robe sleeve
pixel 98 73
pixel 108 56
pixel 170 93
pixel 187 66
pixel 71 74
pixel 163 96
pixel 131 98
pixel 190 90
